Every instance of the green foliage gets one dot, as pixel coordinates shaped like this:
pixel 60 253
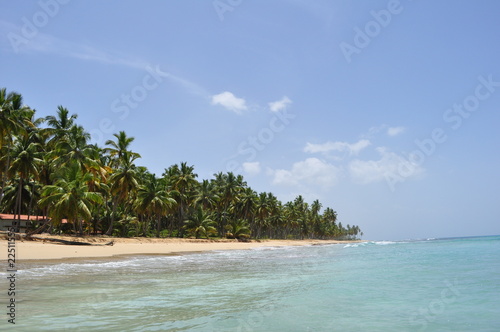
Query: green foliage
pixel 164 233
pixel 238 229
pixel 200 224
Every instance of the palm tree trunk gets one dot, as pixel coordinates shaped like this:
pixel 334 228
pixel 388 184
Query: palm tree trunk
pixel 30 205
pixel 171 226
pixel 158 225
pixel 4 177
pixel 80 226
pixel 18 205
pixel 181 220
pixel 95 221
pixel 110 229
pixel 39 229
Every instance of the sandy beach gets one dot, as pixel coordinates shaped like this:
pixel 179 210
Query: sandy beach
pixel 41 250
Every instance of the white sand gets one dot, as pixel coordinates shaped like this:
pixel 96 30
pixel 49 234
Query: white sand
pixel 36 250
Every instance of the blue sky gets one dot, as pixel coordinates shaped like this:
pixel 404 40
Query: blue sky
pixel 386 111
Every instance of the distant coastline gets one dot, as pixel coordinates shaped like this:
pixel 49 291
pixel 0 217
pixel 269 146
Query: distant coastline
pixel 53 180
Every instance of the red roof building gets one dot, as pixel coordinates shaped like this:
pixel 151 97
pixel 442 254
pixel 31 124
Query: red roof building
pixel 8 220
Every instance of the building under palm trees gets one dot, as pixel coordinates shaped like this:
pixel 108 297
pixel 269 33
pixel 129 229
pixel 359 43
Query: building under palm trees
pixel 22 222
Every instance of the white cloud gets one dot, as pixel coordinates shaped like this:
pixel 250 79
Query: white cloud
pixel 252 168
pixel 229 101
pixel 394 131
pixel 373 131
pixel 45 43
pixel 390 131
pixel 311 171
pixel 352 149
pixel 389 164
pixel 279 105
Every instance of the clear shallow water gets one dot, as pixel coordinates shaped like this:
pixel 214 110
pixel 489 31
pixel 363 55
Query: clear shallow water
pixel 431 285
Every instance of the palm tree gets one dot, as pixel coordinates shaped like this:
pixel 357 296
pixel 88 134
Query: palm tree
pixel 14 119
pixel 25 160
pixel 120 147
pixel 229 186
pixel 262 212
pixel 123 182
pixel 69 197
pixel 329 219
pixel 238 229
pixel 301 211
pixel 153 200
pixel 14 116
pixel 315 228
pixel 73 148
pixel 205 195
pixel 182 181
pixel 99 181
pixel 60 124
pixel 200 224
pixel 10 199
pixel 275 223
pixel 246 204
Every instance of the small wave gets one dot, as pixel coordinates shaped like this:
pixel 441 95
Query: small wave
pixel 378 243
pixel 267 248
pixel 384 243
pixel 355 245
pixel 77 268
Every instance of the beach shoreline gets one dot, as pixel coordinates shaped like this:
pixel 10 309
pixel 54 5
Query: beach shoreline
pixel 40 249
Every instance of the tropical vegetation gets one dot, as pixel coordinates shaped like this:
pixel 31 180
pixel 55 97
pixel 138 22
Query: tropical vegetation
pixel 49 168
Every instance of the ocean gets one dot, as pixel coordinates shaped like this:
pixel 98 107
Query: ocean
pixel 422 285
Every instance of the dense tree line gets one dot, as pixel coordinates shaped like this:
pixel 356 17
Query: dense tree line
pixel 48 167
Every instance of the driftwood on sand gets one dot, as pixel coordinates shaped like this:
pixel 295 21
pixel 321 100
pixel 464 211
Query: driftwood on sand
pixel 75 243
pixel 27 237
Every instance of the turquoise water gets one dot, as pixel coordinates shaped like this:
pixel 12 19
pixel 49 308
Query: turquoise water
pixel 431 285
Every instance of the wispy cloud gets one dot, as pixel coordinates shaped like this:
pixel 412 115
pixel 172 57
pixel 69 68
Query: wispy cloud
pixel 252 168
pixel 48 44
pixel 191 87
pixel 390 131
pixel 230 102
pixel 351 148
pixel 311 171
pixel 279 105
pixel 316 172
pixel 369 171
pixel 395 131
